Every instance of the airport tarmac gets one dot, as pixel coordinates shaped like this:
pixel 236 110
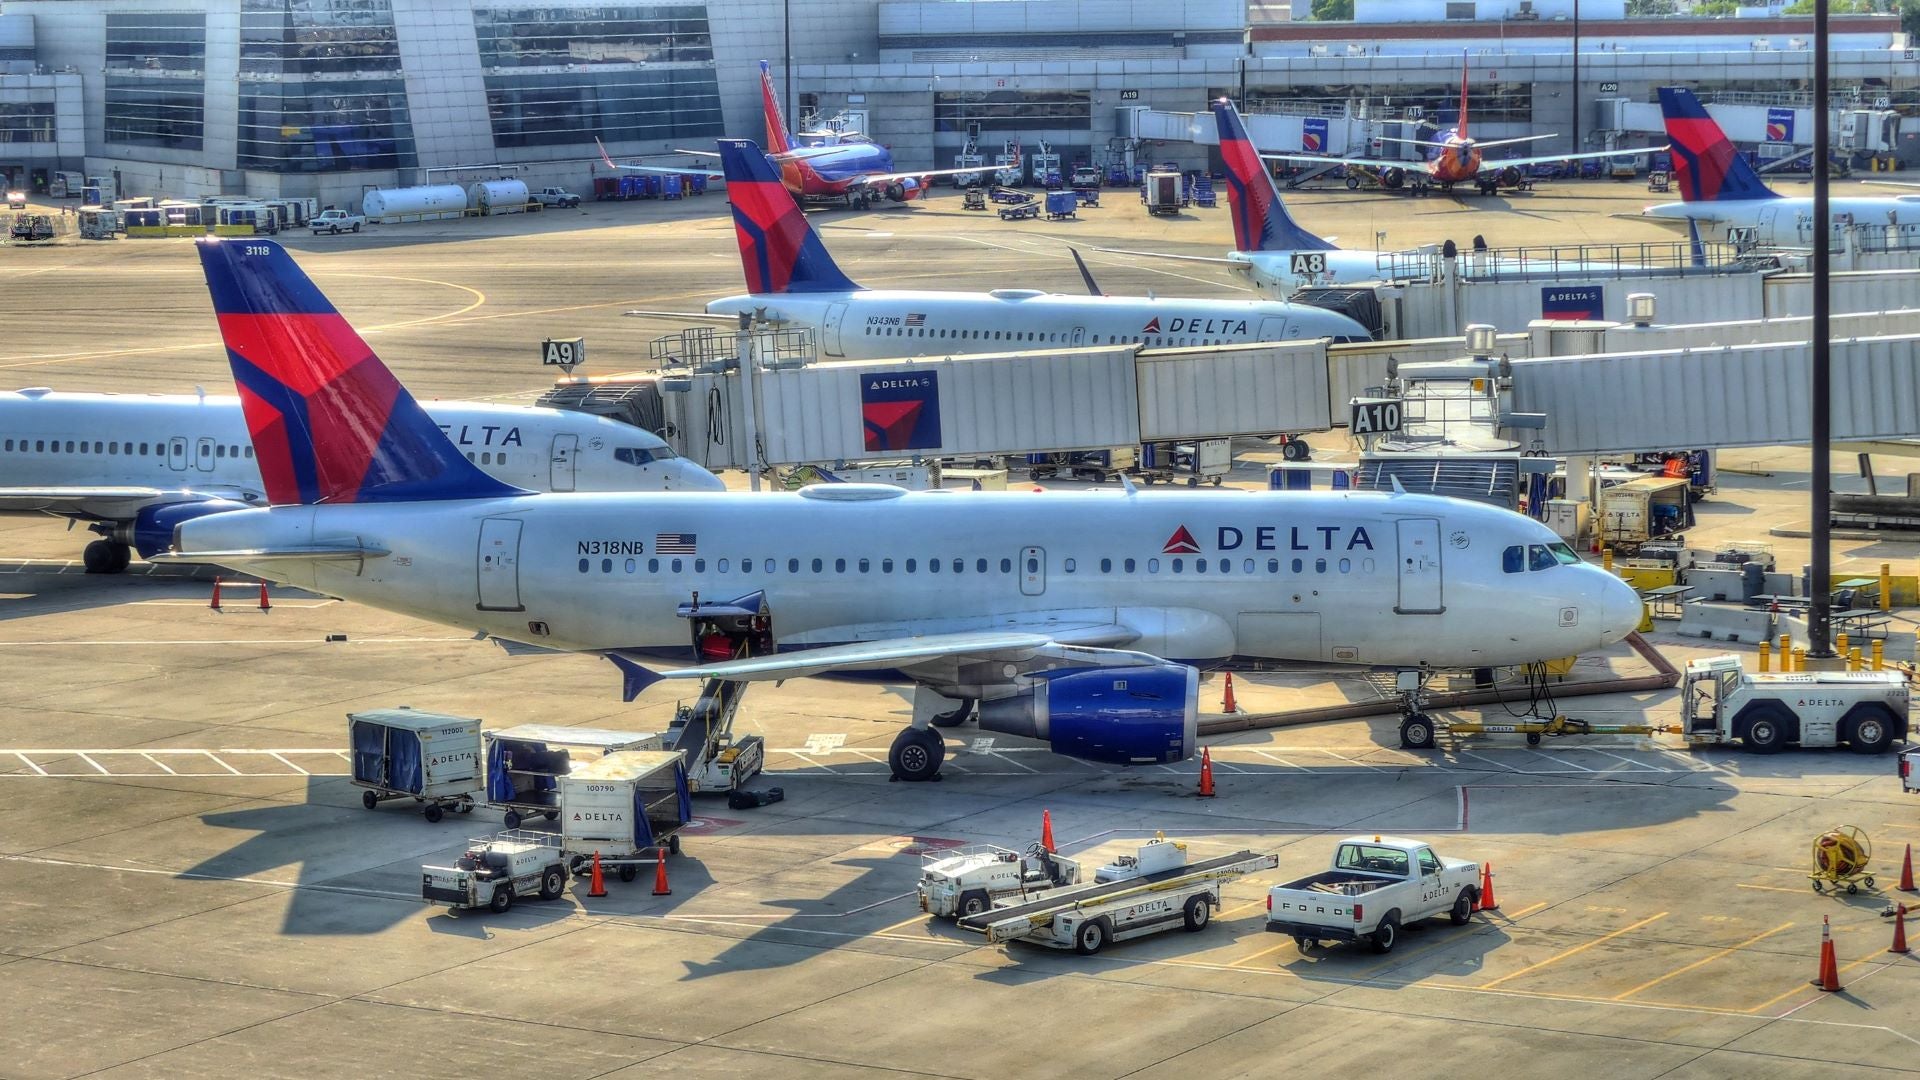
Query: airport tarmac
pixel 189 886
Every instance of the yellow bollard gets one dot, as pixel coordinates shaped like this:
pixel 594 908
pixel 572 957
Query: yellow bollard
pixel 1886 586
pixel 1853 661
pixel 1879 654
pixel 1840 643
pixel 1606 559
pixel 1766 657
pixel 1799 659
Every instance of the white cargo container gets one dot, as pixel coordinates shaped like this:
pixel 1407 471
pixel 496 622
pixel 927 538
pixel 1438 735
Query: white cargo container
pixel 430 758
pixel 498 197
pixel 524 763
pixel 428 201
pixel 624 806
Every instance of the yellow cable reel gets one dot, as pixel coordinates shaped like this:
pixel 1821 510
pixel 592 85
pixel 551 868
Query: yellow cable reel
pixel 1841 856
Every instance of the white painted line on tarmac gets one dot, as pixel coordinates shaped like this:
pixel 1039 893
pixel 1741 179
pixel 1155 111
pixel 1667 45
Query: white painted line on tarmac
pixel 30 763
pixel 95 764
pixel 1499 764
pixel 290 765
pixel 160 764
pixel 1617 757
pixel 228 641
pixel 190 875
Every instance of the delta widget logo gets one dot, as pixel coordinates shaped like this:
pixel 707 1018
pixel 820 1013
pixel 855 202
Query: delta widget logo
pixel 1181 543
pixel 900 410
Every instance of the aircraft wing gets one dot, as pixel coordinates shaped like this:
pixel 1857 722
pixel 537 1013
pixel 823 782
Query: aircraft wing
pixel 918 174
pixel 611 164
pixel 109 503
pixel 1166 255
pixel 1322 159
pixel 1584 155
pixel 1894 183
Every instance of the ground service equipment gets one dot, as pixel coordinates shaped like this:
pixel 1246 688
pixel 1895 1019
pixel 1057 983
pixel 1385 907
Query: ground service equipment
pixel 495 871
pixel 1841 859
pixel 334 222
pixel 966 882
pixel 1867 710
pixel 525 762
pixel 1648 508
pixel 1910 770
pixel 1162 193
pixel 1153 890
pixel 1374 887
pixel 430 758
pixel 625 806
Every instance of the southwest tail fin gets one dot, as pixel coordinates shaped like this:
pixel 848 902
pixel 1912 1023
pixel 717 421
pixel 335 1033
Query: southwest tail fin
pixel 779 250
pixel 779 141
pixel 1705 164
pixel 1465 64
pixel 330 423
pixel 1260 219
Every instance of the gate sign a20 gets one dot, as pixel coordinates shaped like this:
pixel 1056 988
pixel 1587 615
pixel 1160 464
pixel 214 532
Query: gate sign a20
pixel 1373 416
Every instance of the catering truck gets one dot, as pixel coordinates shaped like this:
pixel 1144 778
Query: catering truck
pixel 1374 886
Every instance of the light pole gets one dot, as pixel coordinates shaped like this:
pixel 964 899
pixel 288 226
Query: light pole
pixel 1576 77
pixel 1820 570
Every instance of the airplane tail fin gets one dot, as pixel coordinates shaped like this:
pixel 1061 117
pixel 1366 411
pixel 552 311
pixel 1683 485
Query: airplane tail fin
pixel 1260 218
pixel 329 422
pixel 1705 164
pixel 779 250
pixel 779 141
pixel 1465 65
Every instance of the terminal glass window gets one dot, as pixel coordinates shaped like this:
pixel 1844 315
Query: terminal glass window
pixel 558 36
pixel 1013 110
pixel 156 112
pixel 561 108
pixel 327 126
pixel 317 37
pixel 28 122
pixel 157 41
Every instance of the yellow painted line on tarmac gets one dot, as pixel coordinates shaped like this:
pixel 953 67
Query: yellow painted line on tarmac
pixel 917 920
pixel 1703 961
pixel 1232 911
pixel 1769 888
pixel 1521 914
pixel 1263 952
pixel 1801 988
pixel 1576 950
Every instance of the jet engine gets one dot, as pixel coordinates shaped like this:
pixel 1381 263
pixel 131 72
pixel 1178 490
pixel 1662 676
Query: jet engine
pixel 902 190
pixel 1393 179
pixel 151 530
pixel 1142 715
pixel 1510 177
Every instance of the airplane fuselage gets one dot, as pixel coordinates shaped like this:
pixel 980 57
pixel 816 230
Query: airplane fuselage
pixel 1787 222
pixel 1359 578
pixel 828 172
pixel 871 324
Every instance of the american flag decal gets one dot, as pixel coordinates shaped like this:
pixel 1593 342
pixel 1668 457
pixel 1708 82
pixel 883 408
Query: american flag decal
pixel 674 543
pixel 916 318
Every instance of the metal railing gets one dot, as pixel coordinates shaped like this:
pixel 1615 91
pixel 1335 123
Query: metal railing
pixel 708 348
pixel 1645 259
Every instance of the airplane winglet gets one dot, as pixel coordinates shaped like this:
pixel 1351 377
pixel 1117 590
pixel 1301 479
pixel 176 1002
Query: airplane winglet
pixel 633 677
pixel 1086 275
pixel 1397 489
pixel 1127 483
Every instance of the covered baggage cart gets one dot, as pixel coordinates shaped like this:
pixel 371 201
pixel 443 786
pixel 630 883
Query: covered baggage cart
pixel 525 762
pixel 428 757
pixel 625 806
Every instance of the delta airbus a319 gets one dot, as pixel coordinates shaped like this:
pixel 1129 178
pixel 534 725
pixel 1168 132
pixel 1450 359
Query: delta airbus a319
pixel 1082 620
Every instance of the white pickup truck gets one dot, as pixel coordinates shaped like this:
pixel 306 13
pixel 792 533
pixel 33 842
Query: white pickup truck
pixel 335 221
pixel 1375 886
pixel 554 196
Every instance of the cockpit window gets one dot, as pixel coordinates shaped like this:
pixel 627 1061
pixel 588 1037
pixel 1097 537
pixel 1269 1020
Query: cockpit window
pixel 1539 558
pixel 1513 560
pixel 640 455
pixel 1565 554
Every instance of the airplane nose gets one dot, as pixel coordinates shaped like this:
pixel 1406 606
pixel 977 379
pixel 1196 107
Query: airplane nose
pixel 1621 608
pixel 691 477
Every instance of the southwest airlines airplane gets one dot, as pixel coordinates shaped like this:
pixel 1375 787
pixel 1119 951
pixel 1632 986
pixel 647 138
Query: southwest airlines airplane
pixel 792 279
pixel 170 458
pixel 1729 202
pixel 1079 619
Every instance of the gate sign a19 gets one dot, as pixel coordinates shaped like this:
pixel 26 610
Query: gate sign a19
pixel 1573 303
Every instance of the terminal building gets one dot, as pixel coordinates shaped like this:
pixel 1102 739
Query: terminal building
pixel 330 98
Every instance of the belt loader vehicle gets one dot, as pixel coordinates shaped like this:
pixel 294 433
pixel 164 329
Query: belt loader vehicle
pixel 954 884
pixel 1153 890
pixel 1867 710
pixel 1373 888
pixel 497 870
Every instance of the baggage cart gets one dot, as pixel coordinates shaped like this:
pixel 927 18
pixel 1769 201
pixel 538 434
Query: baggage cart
pixel 525 762
pixel 428 757
pixel 625 806
pixel 1061 205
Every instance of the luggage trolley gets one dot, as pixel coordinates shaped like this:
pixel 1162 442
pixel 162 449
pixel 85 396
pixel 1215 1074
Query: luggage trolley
pixel 430 758
pixel 625 806
pixel 525 762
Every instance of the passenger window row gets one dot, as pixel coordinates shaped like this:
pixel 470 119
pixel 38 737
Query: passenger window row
pixel 980 566
pixel 111 448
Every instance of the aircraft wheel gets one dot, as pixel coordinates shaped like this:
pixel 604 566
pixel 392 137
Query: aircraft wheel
pixel 956 717
pixel 916 755
pixel 105 557
pixel 1416 732
pixel 1296 450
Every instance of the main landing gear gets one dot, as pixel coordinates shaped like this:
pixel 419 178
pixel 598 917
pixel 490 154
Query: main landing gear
pixel 106 557
pixel 916 755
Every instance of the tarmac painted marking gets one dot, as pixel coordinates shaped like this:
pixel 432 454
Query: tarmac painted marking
pixel 1269 951
pixel 1703 961
pixel 1490 761
pixel 284 761
pixel 1279 760
pixel 30 763
pixel 1576 950
pixel 1768 888
pixel 228 641
pixel 1801 988
pixel 95 764
pixel 159 763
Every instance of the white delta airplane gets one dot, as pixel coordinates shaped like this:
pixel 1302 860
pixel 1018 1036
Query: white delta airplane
pixel 792 279
pixel 132 466
pixel 1728 202
pixel 1079 619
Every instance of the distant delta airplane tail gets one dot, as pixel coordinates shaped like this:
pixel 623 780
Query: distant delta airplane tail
pixel 1260 218
pixel 330 423
pixel 779 140
pixel 779 250
pixel 1705 164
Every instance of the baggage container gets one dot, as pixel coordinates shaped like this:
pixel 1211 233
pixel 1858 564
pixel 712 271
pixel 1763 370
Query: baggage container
pixel 524 763
pixel 625 807
pixel 431 758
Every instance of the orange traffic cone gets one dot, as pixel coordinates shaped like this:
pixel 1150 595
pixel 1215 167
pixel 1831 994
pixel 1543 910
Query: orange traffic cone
pixel 1488 902
pixel 1206 773
pixel 1906 871
pixel 264 605
pixel 1829 978
pixel 599 887
pixel 1227 704
pixel 1899 929
pixel 216 595
pixel 660 873
pixel 1046 831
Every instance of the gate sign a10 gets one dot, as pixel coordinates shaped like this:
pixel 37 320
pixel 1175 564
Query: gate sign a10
pixel 1374 416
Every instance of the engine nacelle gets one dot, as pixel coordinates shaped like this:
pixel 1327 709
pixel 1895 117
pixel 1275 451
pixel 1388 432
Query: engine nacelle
pixel 903 190
pixel 1144 715
pixel 1510 177
pixel 1393 179
pixel 151 530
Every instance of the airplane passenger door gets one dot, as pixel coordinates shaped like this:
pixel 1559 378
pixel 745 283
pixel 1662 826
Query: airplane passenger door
pixel 1419 567
pixel 1274 328
pixel 1033 571
pixel 499 565
pixel 1079 336
pixel 203 454
pixel 177 454
pixel 565 449
pixel 836 314
pixel 1763 228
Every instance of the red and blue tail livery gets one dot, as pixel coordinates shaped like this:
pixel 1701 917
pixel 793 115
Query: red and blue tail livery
pixel 329 422
pixel 1260 219
pixel 1705 163
pixel 779 250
